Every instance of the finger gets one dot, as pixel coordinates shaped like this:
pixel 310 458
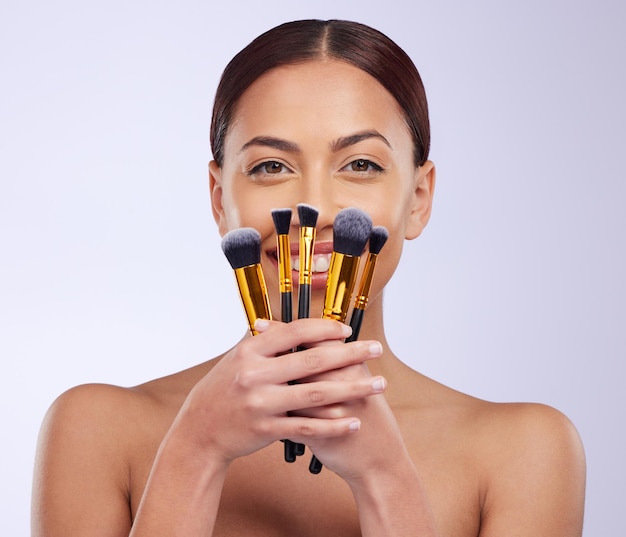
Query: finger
pixel 321 394
pixel 334 411
pixel 302 430
pixel 316 360
pixel 276 338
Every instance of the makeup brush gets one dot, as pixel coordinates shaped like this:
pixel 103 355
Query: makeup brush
pixel 351 230
pixel 282 222
pixel 308 220
pixel 378 238
pixel 242 248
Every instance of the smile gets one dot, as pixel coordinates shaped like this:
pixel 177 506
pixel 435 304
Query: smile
pixel 320 264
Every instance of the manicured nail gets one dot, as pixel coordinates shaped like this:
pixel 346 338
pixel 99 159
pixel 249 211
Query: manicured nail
pixel 379 384
pixel 375 348
pixel 354 426
pixel 346 330
pixel 260 325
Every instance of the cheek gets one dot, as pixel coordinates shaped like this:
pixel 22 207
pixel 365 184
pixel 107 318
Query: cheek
pixel 245 209
pixel 389 258
pixel 390 211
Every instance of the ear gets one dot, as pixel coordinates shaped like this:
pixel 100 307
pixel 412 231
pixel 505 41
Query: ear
pixel 422 199
pixel 215 188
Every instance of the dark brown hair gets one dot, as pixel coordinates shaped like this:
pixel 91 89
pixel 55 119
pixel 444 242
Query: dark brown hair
pixel 306 40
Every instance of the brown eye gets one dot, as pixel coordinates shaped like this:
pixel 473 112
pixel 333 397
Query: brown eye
pixel 273 167
pixel 269 167
pixel 360 165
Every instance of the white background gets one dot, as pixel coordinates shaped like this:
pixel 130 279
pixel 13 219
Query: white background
pixel 110 265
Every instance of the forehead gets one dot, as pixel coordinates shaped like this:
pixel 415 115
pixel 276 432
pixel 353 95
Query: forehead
pixel 322 97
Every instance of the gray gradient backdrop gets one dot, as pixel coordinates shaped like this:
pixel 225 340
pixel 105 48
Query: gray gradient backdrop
pixel 111 269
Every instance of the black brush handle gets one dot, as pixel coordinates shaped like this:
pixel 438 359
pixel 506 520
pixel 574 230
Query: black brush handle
pixel 289 451
pixel 285 307
pixel 286 316
pixel 304 306
pixel 315 466
pixel 304 300
pixel 355 323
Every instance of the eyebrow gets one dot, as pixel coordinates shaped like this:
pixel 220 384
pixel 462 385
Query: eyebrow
pixel 270 141
pixel 347 141
pixel 336 145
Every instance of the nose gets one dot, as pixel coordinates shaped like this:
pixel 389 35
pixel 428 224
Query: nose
pixel 319 192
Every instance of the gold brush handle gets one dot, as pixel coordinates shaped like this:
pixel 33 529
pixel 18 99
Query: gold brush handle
pixel 253 292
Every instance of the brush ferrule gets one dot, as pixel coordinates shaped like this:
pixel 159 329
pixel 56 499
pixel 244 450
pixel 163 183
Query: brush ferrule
pixel 365 285
pixel 284 264
pixel 307 241
pixel 253 291
pixel 339 285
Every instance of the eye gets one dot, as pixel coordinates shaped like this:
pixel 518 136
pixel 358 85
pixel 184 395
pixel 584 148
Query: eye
pixel 362 165
pixel 269 167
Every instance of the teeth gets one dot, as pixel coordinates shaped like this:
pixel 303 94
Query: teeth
pixel 321 262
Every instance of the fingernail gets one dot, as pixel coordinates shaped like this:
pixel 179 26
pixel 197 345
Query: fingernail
pixel 379 384
pixel 346 330
pixel 375 348
pixel 261 325
pixel 354 426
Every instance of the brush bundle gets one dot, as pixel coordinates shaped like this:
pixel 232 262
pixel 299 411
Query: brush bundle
pixel 352 230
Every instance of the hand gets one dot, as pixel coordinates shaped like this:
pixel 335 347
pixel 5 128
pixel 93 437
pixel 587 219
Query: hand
pixel 379 444
pixel 242 404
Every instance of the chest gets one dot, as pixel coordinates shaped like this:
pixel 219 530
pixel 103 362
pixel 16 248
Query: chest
pixel 263 495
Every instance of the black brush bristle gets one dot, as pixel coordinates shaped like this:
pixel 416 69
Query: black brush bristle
pixel 282 220
pixel 351 231
pixel 378 238
pixel 307 215
pixel 242 247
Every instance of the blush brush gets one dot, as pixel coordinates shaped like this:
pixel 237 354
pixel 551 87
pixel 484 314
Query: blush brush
pixel 378 238
pixel 242 248
pixel 351 231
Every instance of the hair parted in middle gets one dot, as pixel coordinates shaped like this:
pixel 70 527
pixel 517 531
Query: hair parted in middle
pixel 307 40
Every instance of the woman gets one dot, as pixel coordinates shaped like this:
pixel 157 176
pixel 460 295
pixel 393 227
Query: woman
pixel 332 114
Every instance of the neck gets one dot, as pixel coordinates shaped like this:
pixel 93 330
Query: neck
pixel 373 327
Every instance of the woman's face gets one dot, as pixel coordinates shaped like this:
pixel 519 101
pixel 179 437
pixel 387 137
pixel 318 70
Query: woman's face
pixel 329 135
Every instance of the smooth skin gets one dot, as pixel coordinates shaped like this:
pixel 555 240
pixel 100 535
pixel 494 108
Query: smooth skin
pixel 197 453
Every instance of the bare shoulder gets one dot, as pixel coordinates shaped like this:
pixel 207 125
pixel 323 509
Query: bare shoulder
pixel 83 425
pixel 533 470
pixel 113 419
pixel 539 425
pixel 96 442
pixel 500 468
pixel 94 415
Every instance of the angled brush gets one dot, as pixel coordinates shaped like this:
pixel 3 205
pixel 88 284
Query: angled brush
pixel 378 238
